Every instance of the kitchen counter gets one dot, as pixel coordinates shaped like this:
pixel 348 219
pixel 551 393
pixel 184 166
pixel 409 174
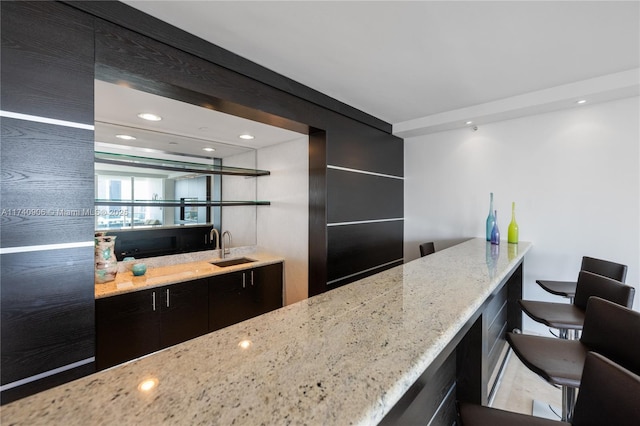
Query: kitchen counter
pixel 342 357
pixel 157 276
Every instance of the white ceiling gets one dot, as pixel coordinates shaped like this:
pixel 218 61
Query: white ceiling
pixel 426 65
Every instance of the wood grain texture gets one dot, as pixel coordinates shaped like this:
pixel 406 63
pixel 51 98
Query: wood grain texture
pixel 47 309
pixel 47 61
pixel 357 197
pixel 356 248
pixel 47 183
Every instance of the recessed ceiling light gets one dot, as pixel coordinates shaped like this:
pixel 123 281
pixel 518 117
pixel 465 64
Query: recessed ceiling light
pixel 245 344
pixel 126 137
pixel 149 116
pixel 246 136
pixel 468 122
pixel 209 149
pixel 582 101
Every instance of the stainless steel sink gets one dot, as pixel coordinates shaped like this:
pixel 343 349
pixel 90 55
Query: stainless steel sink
pixel 232 262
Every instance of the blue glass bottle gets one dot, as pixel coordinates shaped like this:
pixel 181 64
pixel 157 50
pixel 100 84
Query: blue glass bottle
pixel 495 232
pixel 491 219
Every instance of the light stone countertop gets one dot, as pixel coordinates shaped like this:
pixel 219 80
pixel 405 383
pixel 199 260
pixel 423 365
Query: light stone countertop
pixel 343 357
pixel 159 274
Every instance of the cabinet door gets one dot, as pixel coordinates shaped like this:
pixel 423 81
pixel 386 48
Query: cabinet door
pixel 127 326
pixel 229 299
pixel 266 288
pixel 185 312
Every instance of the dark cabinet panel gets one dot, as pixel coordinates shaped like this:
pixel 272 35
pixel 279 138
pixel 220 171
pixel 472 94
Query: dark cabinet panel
pixel 47 61
pixel 356 248
pixel 47 308
pixel 238 296
pixel 185 312
pixel 358 196
pixel 126 327
pixel 138 323
pixel 356 146
pixel 47 183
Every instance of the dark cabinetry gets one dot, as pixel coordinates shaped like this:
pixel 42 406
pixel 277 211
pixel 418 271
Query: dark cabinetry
pixel 241 295
pixel 141 322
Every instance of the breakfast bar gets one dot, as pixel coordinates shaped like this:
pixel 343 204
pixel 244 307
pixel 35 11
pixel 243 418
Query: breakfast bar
pixel 364 353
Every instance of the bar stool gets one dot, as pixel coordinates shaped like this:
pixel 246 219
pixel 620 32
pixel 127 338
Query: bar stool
pixel 609 395
pixel 427 248
pixel 606 268
pixel 609 329
pixel 570 317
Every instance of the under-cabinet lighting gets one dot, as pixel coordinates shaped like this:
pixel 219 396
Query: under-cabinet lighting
pixel 246 136
pixel 149 116
pixel 147 385
pixel 126 137
pixel 209 149
pixel 245 344
pixel 581 101
pixel 468 122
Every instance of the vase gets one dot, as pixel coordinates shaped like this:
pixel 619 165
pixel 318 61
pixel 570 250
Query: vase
pixel 491 219
pixel 105 258
pixel 512 235
pixel 495 232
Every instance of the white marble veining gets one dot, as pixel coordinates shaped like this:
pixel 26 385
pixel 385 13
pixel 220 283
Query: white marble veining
pixel 343 357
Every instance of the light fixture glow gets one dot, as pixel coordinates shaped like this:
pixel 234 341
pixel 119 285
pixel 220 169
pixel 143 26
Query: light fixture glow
pixel 149 116
pixel 147 385
pixel 245 344
pixel 468 122
pixel 208 149
pixel 246 136
pixel 126 137
pixel 581 101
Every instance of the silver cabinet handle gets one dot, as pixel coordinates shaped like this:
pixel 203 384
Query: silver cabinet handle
pixel 252 278
pixel 153 300
pixel 244 275
pixel 167 298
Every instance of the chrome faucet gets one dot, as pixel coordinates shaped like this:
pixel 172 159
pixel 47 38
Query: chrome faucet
pixel 225 248
pixel 215 231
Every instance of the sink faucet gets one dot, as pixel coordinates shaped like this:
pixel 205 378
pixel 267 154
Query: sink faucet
pixel 225 248
pixel 215 231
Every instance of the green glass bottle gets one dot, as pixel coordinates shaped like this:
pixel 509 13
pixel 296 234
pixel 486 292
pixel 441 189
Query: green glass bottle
pixel 512 237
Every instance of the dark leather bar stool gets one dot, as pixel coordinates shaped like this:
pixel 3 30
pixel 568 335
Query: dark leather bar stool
pixel 570 317
pixel 609 329
pixel 606 268
pixel 427 248
pixel 609 395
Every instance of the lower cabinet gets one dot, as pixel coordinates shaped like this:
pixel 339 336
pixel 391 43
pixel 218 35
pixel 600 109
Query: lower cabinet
pixel 138 323
pixel 241 295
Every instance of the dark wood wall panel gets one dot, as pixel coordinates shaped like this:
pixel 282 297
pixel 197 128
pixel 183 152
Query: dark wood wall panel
pixel 47 61
pixel 358 196
pixel 356 248
pixel 47 310
pixel 47 183
pixel 359 147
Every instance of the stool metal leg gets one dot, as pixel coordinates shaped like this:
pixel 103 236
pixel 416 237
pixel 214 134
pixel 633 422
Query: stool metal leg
pixel 568 402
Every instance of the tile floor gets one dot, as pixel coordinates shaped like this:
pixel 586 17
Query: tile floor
pixel 519 387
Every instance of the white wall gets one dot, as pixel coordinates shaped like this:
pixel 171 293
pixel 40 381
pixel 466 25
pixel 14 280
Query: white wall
pixel 573 174
pixel 283 227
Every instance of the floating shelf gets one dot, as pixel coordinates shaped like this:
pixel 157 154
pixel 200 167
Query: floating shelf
pixel 177 166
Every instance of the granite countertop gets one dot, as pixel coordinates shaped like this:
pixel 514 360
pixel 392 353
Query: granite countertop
pixel 342 357
pixel 171 274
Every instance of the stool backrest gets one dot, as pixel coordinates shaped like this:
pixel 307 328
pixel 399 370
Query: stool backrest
pixel 609 394
pixel 590 284
pixel 613 331
pixel 427 248
pixel 617 271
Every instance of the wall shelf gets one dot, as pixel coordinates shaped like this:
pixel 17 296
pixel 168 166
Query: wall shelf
pixel 177 166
